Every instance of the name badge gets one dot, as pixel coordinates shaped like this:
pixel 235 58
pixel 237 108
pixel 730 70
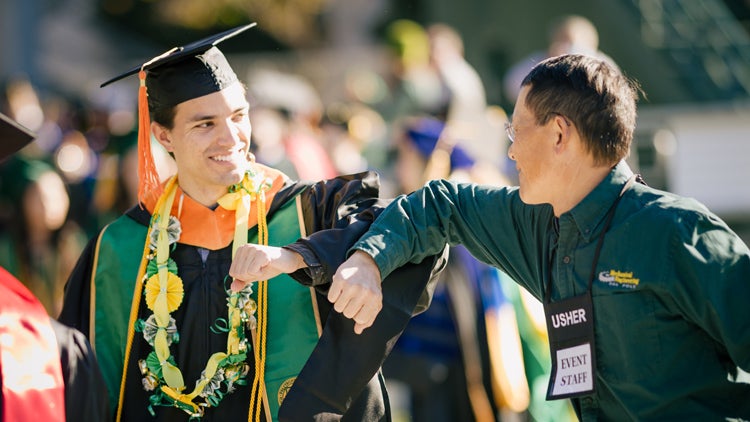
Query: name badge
pixel 570 326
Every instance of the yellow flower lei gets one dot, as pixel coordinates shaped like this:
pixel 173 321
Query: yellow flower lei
pixel 164 292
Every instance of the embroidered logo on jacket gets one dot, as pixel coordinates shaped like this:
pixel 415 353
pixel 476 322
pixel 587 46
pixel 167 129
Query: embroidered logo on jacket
pixel 284 389
pixel 619 279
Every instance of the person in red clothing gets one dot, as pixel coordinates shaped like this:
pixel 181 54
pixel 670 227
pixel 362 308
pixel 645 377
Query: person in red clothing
pixel 48 371
pixel 152 290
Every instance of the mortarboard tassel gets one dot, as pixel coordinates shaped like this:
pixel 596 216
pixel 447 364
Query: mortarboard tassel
pixel 148 177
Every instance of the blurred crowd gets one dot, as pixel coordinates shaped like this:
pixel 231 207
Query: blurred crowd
pixel 479 352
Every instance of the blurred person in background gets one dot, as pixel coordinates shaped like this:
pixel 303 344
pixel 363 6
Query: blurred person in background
pixel 45 191
pixel 466 113
pixel 460 360
pixel 116 187
pixel 267 139
pixel 415 87
pixel 70 137
pixel 432 78
pixel 176 336
pixel 299 113
pixel 38 244
pixel 567 34
pixel 355 135
pixel 47 370
pixel 536 354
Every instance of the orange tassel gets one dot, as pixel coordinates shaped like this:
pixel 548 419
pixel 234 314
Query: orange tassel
pixel 148 177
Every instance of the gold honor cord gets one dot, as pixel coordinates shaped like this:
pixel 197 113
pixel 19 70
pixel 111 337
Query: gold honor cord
pixel 258 390
pixel 239 200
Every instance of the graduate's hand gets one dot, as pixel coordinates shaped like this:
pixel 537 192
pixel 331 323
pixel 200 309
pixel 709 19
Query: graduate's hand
pixel 356 292
pixel 257 262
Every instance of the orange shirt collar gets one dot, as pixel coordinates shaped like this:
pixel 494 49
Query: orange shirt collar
pixel 214 229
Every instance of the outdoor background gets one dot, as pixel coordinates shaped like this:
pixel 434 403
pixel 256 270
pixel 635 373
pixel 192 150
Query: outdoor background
pixel 327 97
pixel 692 58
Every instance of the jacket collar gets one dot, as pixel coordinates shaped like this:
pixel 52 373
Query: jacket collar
pixel 590 213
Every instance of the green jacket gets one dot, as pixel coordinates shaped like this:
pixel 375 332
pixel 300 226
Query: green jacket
pixel 670 291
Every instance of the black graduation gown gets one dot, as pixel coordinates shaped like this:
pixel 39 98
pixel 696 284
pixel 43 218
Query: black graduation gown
pixel 81 377
pixel 341 379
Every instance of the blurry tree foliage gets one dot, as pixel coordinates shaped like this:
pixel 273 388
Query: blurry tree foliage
pixel 290 23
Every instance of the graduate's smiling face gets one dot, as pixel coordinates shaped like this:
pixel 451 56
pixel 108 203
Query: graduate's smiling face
pixel 210 140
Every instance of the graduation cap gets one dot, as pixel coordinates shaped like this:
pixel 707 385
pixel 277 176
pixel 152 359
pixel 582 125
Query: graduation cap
pixel 13 136
pixel 176 76
pixel 187 72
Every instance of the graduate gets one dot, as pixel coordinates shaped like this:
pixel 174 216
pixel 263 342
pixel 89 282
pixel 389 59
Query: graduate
pixel 152 290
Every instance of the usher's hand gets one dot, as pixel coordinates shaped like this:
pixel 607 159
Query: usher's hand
pixel 257 262
pixel 356 292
